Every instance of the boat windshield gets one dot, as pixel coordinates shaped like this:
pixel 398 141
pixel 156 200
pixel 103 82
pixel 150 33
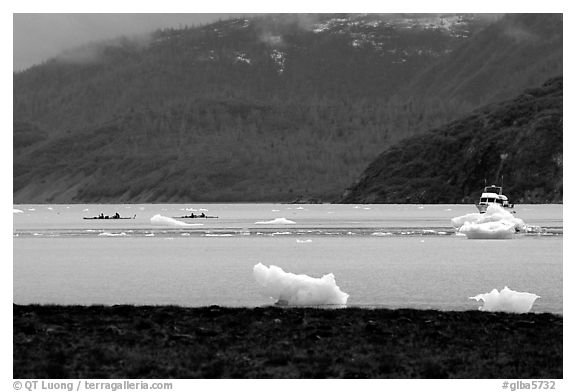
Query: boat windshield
pixel 493 189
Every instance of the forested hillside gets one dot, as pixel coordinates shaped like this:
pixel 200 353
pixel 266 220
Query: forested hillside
pixel 519 140
pixel 262 109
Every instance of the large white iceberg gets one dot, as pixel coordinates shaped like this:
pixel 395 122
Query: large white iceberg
pixel 506 301
pixel 496 222
pixel 277 221
pixel 291 289
pixel 489 230
pixel 167 221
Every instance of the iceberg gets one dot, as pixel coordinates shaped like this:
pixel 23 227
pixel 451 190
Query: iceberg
pixel 16 211
pixel 277 221
pixel 495 223
pixel 488 231
pixel 167 221
pixel 506 301
pixel 291 289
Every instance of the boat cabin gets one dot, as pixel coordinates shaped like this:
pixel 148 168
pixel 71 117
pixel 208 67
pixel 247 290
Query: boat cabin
pixel 493 189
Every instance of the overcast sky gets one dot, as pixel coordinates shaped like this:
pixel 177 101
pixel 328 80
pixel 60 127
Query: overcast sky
pixel 38 37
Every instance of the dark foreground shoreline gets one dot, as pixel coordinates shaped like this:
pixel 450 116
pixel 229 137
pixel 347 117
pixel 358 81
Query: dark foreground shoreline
pixel 273 342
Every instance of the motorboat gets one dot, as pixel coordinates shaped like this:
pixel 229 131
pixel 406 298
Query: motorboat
pixel 493 195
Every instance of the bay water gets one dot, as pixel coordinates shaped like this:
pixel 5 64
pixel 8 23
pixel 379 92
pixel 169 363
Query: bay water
pixel 394 256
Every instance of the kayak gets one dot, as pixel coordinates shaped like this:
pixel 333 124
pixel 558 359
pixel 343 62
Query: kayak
pixel 109 217
pixel 194 217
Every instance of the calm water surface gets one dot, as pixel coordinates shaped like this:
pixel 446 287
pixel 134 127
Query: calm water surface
pixel 382 255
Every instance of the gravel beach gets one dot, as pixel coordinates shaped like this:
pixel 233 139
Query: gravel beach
pixel 147 342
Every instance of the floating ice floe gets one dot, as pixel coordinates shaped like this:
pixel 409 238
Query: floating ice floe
pixel 167 221
pixel 488 231
pixel 277 221
pixel 291 289
pixel 16 211
pixel 106 234
pixel 506 301
pixel 495 223
pixel 303 241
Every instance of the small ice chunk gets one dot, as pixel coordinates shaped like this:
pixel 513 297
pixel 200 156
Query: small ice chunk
pixel 16 211
pixel 291 289
pixel 277 221
pixel 303 241
pixel 506 301
pixel 167 221
pixel 106 234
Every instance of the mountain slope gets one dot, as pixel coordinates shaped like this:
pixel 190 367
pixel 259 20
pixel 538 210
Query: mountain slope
pixel 516 50
pixel 260 109
pixel 520 140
